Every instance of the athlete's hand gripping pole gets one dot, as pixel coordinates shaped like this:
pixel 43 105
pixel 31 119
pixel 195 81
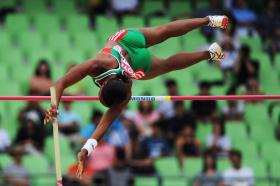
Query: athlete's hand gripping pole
pixel 56 139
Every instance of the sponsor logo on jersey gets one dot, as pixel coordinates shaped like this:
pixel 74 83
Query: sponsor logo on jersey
pixel 139 74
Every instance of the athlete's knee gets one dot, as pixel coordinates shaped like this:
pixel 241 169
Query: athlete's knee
pixel 169 64
pixel 168 31
pixel 162 31
pixel 166 66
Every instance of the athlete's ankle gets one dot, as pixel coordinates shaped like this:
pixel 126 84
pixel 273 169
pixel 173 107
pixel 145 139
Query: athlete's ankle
pixel 209 55
pixel 207 20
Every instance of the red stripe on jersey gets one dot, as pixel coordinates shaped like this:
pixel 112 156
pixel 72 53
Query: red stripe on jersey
pixel 106 50
pixel 121 35
pixel 118 36
pixel 112 38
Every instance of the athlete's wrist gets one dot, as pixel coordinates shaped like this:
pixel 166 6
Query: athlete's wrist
pixel 84 151
pixel 89 146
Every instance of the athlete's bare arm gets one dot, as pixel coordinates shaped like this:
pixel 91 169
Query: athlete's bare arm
pixel 110 115
pixel 107 119
pixel 91 67
pixel 76 74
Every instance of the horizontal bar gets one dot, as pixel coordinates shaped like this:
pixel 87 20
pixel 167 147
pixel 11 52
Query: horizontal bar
pixel 227 97
pixel 145 98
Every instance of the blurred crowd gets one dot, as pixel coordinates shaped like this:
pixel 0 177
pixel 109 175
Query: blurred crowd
pixel 137 138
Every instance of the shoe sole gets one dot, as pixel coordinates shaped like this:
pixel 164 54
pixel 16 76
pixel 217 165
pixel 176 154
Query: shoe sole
pixel 225 22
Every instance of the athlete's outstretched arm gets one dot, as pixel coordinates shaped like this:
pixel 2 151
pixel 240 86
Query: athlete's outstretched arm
pixel 107 119
pixel 105 122
pixel 76 74
pixel 110 115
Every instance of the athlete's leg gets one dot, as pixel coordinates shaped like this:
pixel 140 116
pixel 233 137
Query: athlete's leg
pixel 183 60
pixel 175 62
pixel 158 34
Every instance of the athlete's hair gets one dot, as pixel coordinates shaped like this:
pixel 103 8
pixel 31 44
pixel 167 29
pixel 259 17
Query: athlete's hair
pixel 113 92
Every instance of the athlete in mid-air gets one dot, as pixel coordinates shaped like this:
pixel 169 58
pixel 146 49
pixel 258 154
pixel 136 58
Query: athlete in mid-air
pixel 126 57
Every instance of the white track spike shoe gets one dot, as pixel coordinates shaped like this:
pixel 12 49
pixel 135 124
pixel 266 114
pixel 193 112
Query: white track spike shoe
pixel 216 52
pixel 219 21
